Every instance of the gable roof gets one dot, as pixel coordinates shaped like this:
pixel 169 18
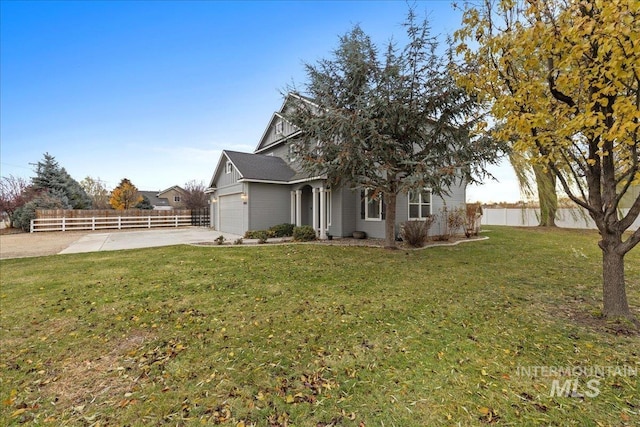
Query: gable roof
pixel 260 167
pixel 280 115
pixel 175 188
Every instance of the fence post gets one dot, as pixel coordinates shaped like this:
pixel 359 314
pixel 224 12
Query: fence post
pixel 176 221
pixel 32 226
pixel 64 223
pixel 119 222
pixel 93 223
pixel 149 221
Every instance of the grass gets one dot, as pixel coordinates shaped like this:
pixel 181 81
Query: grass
pixel 315 335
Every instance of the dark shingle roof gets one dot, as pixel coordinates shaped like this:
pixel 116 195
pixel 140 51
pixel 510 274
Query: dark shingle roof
pixel 260 167
pixel 154 199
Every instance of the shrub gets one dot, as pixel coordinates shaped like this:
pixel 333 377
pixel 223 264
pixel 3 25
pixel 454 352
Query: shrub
pixel 219 240
pixel 23 215
pixel 262 236
pixel 415 233
pixel 474 215
pixel 456 219
pixel 304 233
pixel 282 230
pixel 256 234
pixel 238 241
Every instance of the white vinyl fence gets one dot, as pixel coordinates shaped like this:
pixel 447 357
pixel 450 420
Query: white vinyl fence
pixel 530 217
pixel 103 223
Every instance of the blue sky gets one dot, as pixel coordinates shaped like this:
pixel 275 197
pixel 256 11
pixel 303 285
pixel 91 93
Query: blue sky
pixel 154 90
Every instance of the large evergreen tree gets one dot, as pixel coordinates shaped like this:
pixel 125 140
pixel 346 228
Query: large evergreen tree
pixel 51 188
pixel 390 122
pixel 58 184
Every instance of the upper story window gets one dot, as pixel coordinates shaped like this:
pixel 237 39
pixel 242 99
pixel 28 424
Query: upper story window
pixel 279 127
pixel 176 198
pixel 228 167
pixel 419 204
pixel 371 208
pixel 293 155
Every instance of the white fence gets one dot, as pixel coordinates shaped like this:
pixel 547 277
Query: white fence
pixel 104 223
pixel 530 217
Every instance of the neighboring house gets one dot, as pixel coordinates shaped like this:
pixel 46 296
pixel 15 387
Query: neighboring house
pixel 175 195
pixel 253 191
pixel 158 203
pixel 165 200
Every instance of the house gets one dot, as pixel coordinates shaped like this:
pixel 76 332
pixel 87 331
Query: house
pixel 175 195
pixel 158 203
pixel 171 198
pixel 253 191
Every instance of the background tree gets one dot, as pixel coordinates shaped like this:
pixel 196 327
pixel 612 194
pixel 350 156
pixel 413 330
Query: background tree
pixel 97 192
pixel 565 84
pixel 536 180
pixel 51 188
pixel 144 204
pixel 124 196
pixel 57 182
pixel 12 195
pixel 389 122
pixel 195 197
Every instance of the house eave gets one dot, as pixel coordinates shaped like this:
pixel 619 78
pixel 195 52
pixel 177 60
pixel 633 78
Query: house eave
pixel 297 181
pixel 278 142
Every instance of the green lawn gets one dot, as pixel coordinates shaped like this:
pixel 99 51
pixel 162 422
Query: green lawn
pixel 315 335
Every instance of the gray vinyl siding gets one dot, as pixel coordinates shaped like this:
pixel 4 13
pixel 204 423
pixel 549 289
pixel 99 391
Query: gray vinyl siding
pixel 269 205
pixel 281 151
pixel 456 199
pixel 343 212
pixel 271 137
pixel 375 229
pixel 231 189
pixel 227 178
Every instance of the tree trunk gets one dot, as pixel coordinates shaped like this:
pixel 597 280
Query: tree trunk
pixel 613 286
pixel 547 195
pixel 390 220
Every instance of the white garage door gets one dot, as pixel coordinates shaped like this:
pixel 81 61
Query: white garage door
pixel 231 214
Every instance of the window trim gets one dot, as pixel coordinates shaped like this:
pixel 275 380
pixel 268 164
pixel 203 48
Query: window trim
pixel 279 128
pixel 366 199
pixel 420 204
pixel 177 199
pixel 293 156
pixel 228 167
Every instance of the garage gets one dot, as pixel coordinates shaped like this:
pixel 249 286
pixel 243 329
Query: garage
pixel 231 214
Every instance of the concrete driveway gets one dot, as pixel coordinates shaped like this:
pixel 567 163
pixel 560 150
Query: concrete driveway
pixel 95 242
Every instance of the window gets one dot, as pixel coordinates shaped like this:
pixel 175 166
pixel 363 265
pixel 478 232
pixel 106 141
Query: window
pixel 371 208
pixel 292 153
pixel 279 127
pixel 229 167
pixel 419 204
pixel 176 198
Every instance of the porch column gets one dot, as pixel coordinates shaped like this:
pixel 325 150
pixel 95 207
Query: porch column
pixel 298 208
pixel 315 209
pixel 323 214
pixel 293 207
